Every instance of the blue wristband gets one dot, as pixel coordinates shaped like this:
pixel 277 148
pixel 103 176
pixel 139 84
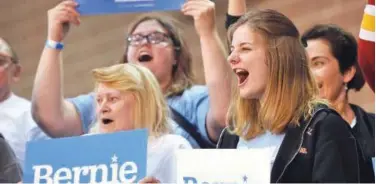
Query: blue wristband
pixel 54 45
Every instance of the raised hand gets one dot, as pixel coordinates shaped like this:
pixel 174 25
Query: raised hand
pixel 59 19
pixel 203 13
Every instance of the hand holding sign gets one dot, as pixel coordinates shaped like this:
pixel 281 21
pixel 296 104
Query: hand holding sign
pixel 149 180
pixel 59 19
pixel 98 7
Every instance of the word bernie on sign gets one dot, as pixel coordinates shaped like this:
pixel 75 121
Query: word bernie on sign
pixel 116 158
pixel 124 173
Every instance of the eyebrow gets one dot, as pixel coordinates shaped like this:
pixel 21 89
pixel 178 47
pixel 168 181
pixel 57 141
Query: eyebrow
pixel 242 44
pixel 147 33
pixel 318 57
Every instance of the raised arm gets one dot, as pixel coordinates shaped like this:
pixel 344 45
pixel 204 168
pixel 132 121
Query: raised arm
pixel 56 116
pixel 236 8
pixel 217 71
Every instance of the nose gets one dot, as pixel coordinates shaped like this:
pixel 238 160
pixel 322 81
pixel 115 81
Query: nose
pixel 233 58
pixel 315 72
pixel 103 108
pixel 144 41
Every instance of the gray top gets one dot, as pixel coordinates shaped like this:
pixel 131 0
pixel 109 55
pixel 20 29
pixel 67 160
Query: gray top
pixel 10 170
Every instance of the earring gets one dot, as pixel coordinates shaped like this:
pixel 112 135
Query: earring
pixel 346 87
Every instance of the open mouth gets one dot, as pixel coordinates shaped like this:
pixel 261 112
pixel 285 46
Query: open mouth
pixel 145 57
pixel 319 85
pixel 242 75
pixel 107 121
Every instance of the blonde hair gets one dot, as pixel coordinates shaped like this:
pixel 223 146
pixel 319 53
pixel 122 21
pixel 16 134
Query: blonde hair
pixel 182 76
pixel 151 110
pixel 291 91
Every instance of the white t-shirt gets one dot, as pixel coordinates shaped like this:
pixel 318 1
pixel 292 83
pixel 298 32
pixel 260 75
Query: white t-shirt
pixel 17 125
pixel 353 122
pixel 161 162
pixel 268 145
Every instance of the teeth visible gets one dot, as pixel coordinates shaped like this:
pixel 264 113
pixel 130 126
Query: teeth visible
pixel 144 53
pixel 239 70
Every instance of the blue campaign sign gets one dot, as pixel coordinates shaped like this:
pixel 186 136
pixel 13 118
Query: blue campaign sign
pixel 117 158
pixel 97 7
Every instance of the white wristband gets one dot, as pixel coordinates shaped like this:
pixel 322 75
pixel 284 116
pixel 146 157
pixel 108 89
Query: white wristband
pixel 54 45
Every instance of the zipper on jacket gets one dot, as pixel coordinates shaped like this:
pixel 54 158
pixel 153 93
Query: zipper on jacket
pixel 297 151
pixel 220 137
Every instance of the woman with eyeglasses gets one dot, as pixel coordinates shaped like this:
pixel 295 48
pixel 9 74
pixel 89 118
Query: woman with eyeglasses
pixel 156 43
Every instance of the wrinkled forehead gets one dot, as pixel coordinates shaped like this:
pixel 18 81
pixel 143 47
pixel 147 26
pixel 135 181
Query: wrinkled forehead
pixel 149 26
pixel 104 90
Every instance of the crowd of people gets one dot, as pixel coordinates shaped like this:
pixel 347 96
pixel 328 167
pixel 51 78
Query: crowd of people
pixel 275 90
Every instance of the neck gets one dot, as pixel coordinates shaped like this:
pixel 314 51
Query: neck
pixel 342 106
pixel 165 85
pixel 4 94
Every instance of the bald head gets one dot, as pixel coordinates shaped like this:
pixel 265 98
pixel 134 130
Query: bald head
pixel 7 50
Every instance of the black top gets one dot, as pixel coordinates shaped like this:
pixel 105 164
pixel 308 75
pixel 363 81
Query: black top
pixel 321 150
pixel 230 19
pixel 10 170
pixel 364 130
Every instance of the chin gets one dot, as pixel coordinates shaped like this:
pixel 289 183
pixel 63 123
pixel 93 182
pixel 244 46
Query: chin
pixel 251 94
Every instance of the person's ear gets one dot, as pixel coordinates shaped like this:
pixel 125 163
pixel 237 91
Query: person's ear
pixel 16 72
pixel 349 74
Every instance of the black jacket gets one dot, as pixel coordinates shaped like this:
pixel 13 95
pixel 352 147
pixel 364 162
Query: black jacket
pixel 364 130
pixel 10 170
pixel 322 149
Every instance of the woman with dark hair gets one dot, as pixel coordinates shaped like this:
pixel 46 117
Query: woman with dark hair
pixel 275 108
pixel 156 43
pixel 333 57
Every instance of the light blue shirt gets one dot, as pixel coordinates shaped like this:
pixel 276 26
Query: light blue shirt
pixel 193 104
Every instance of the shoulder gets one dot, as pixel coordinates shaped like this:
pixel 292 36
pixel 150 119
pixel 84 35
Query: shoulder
pixel 15 107
pixel 20 101
pixel 172 142
pixel 6 150
pixel 195 91
pixel 88 98
pixel 331 125
pixel 192 100
pixel 362 113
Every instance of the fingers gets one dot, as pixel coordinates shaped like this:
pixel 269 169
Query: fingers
pixel 65 12
pixel 149 180
pixel 197 7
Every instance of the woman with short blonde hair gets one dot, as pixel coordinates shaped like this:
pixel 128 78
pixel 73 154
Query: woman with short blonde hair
pixel 129 97
pixel 150 109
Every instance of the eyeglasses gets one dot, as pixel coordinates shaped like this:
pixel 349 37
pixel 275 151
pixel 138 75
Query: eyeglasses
pixel 5 61
pixel 155 38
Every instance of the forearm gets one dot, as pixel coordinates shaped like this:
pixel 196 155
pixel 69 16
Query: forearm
pixel 218 81
pixel 47 96
pixel 236 7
